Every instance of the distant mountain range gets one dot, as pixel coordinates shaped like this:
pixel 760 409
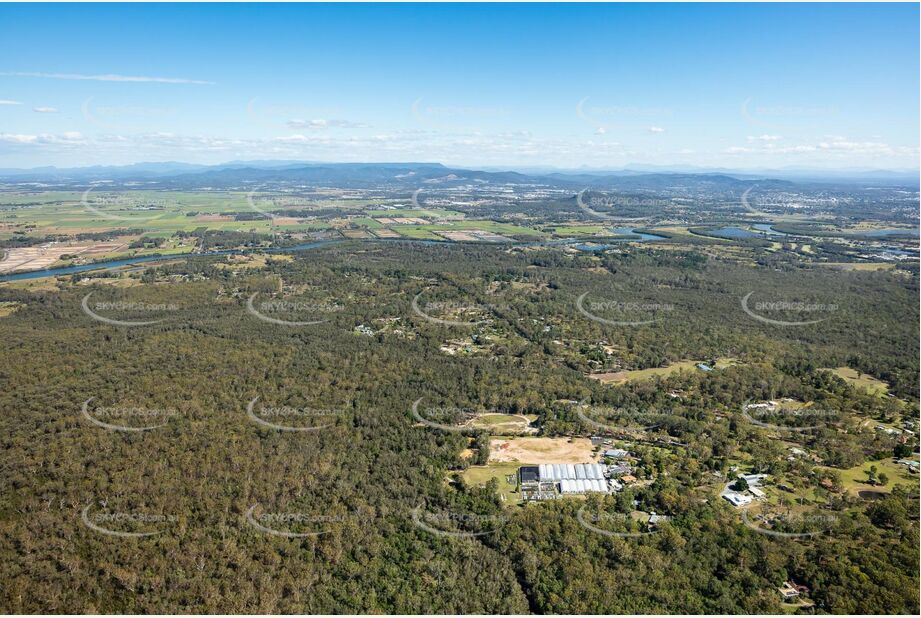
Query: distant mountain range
pixel 173 174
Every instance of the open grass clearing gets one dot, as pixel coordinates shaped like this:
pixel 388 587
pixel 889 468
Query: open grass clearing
pixel 854 480
pixel 480 475
pixel 861 380
pixel 621 377
pixel 502 424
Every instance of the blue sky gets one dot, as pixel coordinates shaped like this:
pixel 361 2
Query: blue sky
pixel 739 86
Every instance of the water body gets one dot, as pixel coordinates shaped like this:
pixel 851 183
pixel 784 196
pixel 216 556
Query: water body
pixel 70 270
pixel 768 228
pixel 731 233
pixel 635 236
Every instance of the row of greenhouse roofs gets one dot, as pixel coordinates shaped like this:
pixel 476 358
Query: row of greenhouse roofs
pixel 571 472
pixel 569 486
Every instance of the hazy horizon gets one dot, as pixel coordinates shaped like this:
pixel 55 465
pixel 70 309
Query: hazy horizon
pixel 757 86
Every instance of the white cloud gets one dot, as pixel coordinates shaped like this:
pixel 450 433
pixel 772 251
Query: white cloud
pixel 14 138
pixel 656 130
pixel 106 77
pixel 9 102
pixel 295 139
pixel 846 146
pixel 837 147
pixel 66 138
pixel 45 110
pixel 466 148
pixel 764 138
pixel 324 124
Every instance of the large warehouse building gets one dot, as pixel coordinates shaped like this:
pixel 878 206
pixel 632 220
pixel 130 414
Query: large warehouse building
pixel 548 481
pixel 571 472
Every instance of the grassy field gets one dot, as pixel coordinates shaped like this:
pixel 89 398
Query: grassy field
pixel 425 213
pixel 577 230
pixel 863 266
pixel 859 380
pixel 66 213
pixel 503 424
pixel 854 479
pixel 480 475
pixel 620 377
pixel 487 226
pixel 415 231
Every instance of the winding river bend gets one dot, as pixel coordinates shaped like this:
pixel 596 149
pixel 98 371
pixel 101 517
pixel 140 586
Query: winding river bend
pixel 630 236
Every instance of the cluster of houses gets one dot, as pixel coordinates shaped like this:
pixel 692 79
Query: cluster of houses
pixel 743 497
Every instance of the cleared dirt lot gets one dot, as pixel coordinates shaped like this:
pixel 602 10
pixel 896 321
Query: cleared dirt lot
pixel 43 256
pixel 33 258
pixel 541 450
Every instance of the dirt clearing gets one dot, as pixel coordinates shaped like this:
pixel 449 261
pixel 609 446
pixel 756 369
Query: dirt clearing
pixel 541 450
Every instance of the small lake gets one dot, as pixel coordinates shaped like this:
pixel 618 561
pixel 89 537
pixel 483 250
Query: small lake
pixel 732 233
pixel 768 228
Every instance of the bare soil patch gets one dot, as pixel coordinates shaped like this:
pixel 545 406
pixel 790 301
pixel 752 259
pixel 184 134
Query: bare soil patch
pixel 541 450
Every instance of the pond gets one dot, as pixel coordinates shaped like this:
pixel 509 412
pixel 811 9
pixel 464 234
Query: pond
pixel 732 233
pixel 768 228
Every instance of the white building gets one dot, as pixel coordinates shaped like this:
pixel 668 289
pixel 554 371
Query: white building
pixel 737 500
pixel 568 486
pixel 560 472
